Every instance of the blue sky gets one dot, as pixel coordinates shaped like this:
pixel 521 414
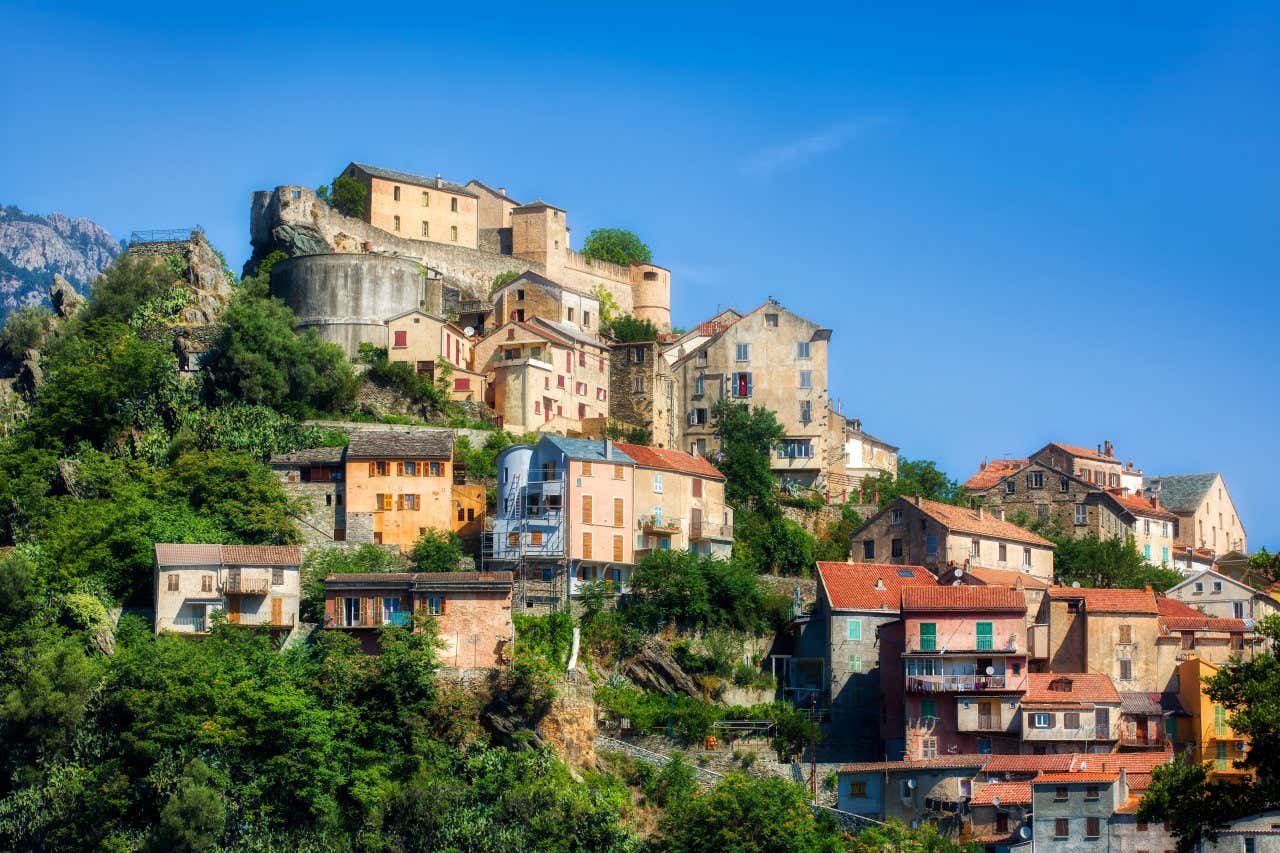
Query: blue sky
pixel 1022 226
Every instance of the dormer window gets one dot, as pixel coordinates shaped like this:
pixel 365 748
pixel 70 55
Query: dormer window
pixel 1060 685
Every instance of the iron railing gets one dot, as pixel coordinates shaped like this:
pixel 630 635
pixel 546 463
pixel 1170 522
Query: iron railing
pixel 165 235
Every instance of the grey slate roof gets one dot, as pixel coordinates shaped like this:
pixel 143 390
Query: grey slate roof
pixel 392 444
pixel 1180 492
pixel 417 180
pixel 492 191
pixel 310 456
pixel 568 331
pixel 588 449
pixel 1139 704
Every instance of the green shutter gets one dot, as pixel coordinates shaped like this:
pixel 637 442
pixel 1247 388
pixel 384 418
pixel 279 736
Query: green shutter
pixel 928 636
pixel 929 708
pixel 984 636
pixel 854 627
pixel 1219 720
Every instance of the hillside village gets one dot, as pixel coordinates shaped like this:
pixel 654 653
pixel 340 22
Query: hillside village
pixel 626 539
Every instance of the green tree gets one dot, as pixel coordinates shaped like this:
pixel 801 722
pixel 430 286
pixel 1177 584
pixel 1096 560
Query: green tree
pixel 743 815
pixel 628 329
pixel 437 551
pixel 836 541
pixel 131 282
pixel 897 836
pixel 915 477
pixel 347 196
pixel 322 562
pixel 1106 562
pixel 40 712
pixel 24 329
pixel 502 279
pixel 194 818
pixel 747 438
pixel 238 493
pixel 617 246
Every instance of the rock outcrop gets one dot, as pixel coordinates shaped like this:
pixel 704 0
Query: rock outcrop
pixel 655 669
pixel 34 249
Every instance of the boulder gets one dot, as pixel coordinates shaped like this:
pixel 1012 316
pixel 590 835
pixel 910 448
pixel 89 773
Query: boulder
pixel 295 240
pixel 655 669
pixel 66 299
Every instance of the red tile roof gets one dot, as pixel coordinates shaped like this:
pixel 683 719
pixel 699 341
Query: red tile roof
pixel 961 519
pixel 1029 763
pixel 1177 615
pixel 1083 687
pixel 1088 776
pixel 1130 762
pixel 870 586
pixel 993 472
pixel 942 761
pixel 1014 793
pixel 227 555
pixel 1167 606
pixel 1084 452
pixel 1007 577
pixel 1141 506
pixel 985 598
pixel 669 460
pixel 1109 600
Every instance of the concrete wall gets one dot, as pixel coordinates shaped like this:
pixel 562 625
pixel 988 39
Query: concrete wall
pixel 349 298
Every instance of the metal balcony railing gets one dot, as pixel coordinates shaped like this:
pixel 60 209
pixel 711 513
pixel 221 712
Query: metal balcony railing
pixel 948 683
pixel 657 524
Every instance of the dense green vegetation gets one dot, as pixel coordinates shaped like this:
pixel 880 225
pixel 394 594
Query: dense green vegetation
pixel 915 477
pixel 1096 562
pixel 346 195
pixel 23 329
pixel 625 328
pixel 617 246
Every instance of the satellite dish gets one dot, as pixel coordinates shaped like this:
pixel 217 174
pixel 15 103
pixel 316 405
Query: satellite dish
pixel 959 571
pixel 469 332
pixel 991 670
pixel 1024 832
pixel 955 583
pixel 911 783
pixel 995 801
pixel 1075 584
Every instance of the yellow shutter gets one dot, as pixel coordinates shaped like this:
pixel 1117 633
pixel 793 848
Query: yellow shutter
pixel 586 469
pixel 373 469
pixel 399 468
pixel 617 512
pixel 586 546
pixel 586 509
pixel 399 501
pixel 617 549
pixel 386 501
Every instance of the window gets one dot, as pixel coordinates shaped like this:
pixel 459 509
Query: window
pixel 1042 511
pixel 1126 634
pixel 173 582
pixel 586 468
pixel 1042 721
pixel 436 469
pixel 1002 552
pixel 929 708
pixel 868 549
pixel 1002 824
pixel 619 472
pixel 1035 480
pixel 697 417
pixel 350 612
pixel 1026 558
pixel 1237 609
pixel 1082 514
pixel 802 349
pixel 570 315
pixel 1092 827
pixel 378 469
pixel 806 379
pixel 1188 640
pixel 1126 670
pixel 931 546
pixel 426 228
pixel 741 385
pixel 853 628
pixel 513 540
pixel 806 411
pixel 453 205
pixel 1219 720
pixel 1101 723
pixel 1071 720
pixel 206 583
pixel 929 747
pixel 697 487
pixel 401 339
pixel 742 352
pixel 1091 792
pixel 698 386
pixel 395 223
pixel 1140 826
pixel 395 193
pixel 277 575
pixel 586 546
pixel 1146 552
pixel 426 199
pixel 657 484
pixel 617 549
pixel 895 548
pixel 1061 827
pixel 617 512
pixel 771 320
pixel 975 548
pixel 1009 486
pixel 1197 587
pixel 586 509
pixel 535 538
pixel 435 606
pixel 1064 483
pixel 857 789
pixel 1060 794
pixel 895 516
pixel 1217 586
pixel 453 233
pixel 639 386
pixel 985 640
pixel 928 636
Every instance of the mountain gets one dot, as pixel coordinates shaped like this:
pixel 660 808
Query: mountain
pixel 33 249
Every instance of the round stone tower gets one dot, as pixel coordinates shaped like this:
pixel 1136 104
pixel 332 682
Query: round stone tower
pixel 651 295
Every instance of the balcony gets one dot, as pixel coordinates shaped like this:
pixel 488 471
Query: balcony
pixel 259 620
pixel 955 683
pixel 658 524
pixel 711 531
pixel 247 583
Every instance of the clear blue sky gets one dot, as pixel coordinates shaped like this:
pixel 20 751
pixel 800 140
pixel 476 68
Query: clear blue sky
pixel 1021 226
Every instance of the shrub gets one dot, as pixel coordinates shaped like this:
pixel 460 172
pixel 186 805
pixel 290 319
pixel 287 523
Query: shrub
pixel 744 675
pixel 24 329
pixel 347 196
pixel 617 246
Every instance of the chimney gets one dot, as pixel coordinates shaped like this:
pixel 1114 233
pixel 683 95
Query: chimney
pixel 439 181
pixel 1155 501
pixel 980 513
pixel 1110 448
pixel 1000 513
pixel 608 449
pixel 917 500
pixel 982 466
pixel 502 191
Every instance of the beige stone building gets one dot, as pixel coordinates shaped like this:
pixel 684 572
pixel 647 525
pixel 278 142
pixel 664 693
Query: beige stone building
pixel 418 207
pixel 679 503
pixel 429 342
pixel 852 456
pixel 937 535
pixel 1110 632
pixel 1216 594
pixel 1207 516
pixel 545 376
pixel 533 295
pixel 252 585
pixel 768 357
pixel 1099 467
pixel 493 207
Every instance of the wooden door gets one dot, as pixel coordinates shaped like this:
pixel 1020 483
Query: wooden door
pixel 277 611
pixel 233 609
pixel 986 715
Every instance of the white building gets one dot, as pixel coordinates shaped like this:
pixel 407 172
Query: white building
pixel 255 585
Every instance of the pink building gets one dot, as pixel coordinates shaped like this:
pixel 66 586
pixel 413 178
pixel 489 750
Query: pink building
pixel 965 668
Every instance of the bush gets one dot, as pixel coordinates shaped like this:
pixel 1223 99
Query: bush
pixel 437 551
pixel 404 379
pixel 744 675
pixel 617 246
pixel 347 196
pixel 24 329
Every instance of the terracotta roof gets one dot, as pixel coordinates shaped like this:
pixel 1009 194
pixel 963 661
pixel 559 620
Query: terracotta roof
pixel 1007 577
pixel 942 761
pixel 421 578
pixel 1084 687
pixel 1167 606
pixel 992 473
pixel 261 555
pixel 384 444
pixel 870 586
pixel 1109 600
pixel 1087 776
pixel 1084 452
pixel 227 555
pixel 1008 792
pixel 372 577
pixel 669 460
pixel 1201 623
pixel 1138 781
pixel 1139 505
pixel 963 598
pixel 1028 763
pixel 965 520
pixel 1130 762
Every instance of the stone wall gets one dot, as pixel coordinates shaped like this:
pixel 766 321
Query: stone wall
pixel 626 402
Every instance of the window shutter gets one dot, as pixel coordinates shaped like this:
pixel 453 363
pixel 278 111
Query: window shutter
pixel 697 487
pixel 617 512
pixel 399 501
pixel 586 546
pixel 386 501
pixel 586 509
pixel 617 549
pixel 373 469
pixel 399 468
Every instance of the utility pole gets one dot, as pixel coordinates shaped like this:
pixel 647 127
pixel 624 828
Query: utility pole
pixel 813 745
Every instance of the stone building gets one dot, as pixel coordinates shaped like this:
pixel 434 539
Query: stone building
pixel 1099 467
pixel 642 391
pixel 314 478
pixel 472 610
pixel 545 376
pixel 1184 633
pixel 1216 594
pixel 428 343
pixel 1206 514
pixel 938 535
pixel 1090 808
pixel 1070 712
pixel 1038 490
pixel 253 585
pixel 532 295
pixel 768 357
pixel 421 207
pixel 1110 632
pixel 852 456
pixel 855 601
pixel 679 503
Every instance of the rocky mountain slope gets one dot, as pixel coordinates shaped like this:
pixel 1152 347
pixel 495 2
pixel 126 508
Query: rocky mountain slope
pixel 33 249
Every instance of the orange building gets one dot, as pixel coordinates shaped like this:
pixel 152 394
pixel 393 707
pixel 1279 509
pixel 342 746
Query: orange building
pixel 1205 729
pixel 401 483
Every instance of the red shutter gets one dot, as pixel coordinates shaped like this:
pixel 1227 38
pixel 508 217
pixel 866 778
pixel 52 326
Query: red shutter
pixel 402 339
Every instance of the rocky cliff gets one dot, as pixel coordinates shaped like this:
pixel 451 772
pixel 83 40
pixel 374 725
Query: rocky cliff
pixel 33 249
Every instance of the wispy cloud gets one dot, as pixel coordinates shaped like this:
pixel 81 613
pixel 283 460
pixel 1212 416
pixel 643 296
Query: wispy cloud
pixel 768 161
